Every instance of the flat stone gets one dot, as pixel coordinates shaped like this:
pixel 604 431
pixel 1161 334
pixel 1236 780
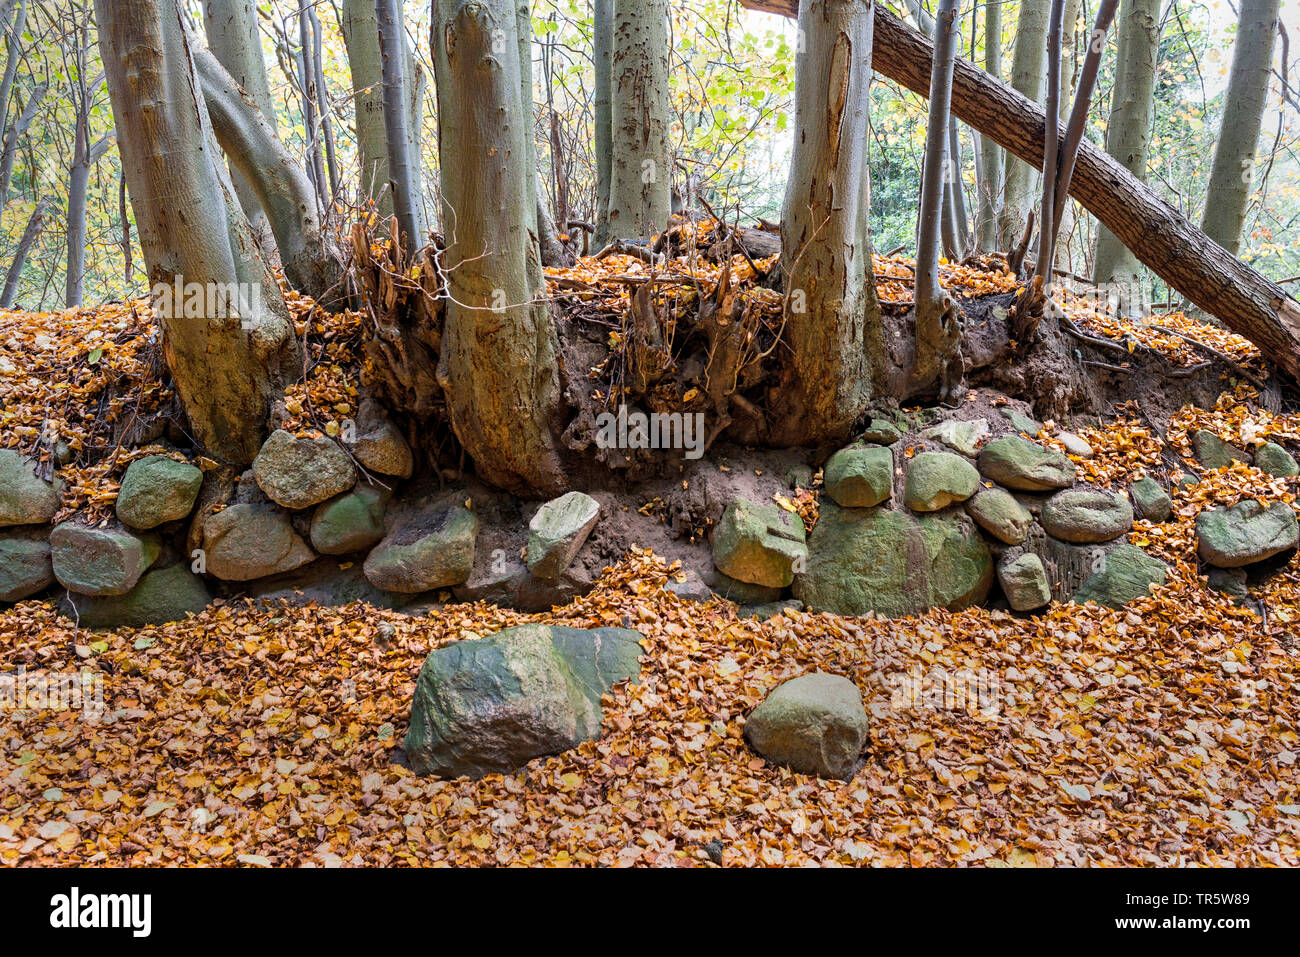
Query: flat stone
pixel 893 563
pixel 1150 501
pixel 25 566
pixel 1245 533
pixel 815 724
pixel 936 480
pixel 157 489
pixel 1025 466
pixel 351 522
pixel 250 541
pixel 162 595
pixel 1074 445
pixel 882 432
pixel 1024 581
pixel 558 531
pixel 997 512
pixel 493 704
pixel 1086 515
pixel 100 561
pixel 1275 460
pixel 962 436
pixel 384 450
pixel 759 544
pixel 1127 573
pixel 1021 422
pixel 434 549
pixel 690 588
pixel 860 476
pixel 301 472
pixel 25 499
pixel 1214 453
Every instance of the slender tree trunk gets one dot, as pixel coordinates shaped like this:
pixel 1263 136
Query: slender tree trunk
pixel 498 364
pixel 320 93
pixel 990 192
pixel 233 38
pixel 279 183
pixel 360 29
pixel 1233 174
pixel 84 156
pixel 602 54
pixel 832 318
pixel 9 150
pixel 1063 217
pixel 403 167
pixel 954 224
pixel 938 327
pixel 35 223
pixel 641 166
pixel 1128 136
pixel 227 368
pixel 1052 107
pixel 1027 80
pixel 12 23
pixel 1164 241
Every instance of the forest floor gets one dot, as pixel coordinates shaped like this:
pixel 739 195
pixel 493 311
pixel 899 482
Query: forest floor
pixel 1165 733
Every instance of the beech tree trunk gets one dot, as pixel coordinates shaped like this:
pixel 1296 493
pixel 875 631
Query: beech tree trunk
pixel 15 131
pixel 228 367
pixel 35 223
pixel 278 181
pixel 498 364
pixel 1233 173
pixel 1128 137
pixel 85 155
pixel 1164 241
pixel 12 23
pixel 1027 72
pixel 602 105
pixel 403 164
pixel 989 201
pixel 640 187
pixel 832 318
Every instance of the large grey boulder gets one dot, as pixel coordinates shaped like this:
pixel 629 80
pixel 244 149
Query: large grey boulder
pixel 302 472
pixel 157 489
pixel 893 563
pixel 432 549
pixel 25 498
pixel 815 724
pixel 558 531
pixel 1214 453
pixel 1126 573
pixel 1275 460
pixel 1087 515
pixel 997 512
pixel 759 544
pixel 250 541
pixel 351 522
pixel 1245 533
pixel 859 476
pixel 1024 581
pixel 936 480
pixel 1151 501
pixel 162 595
pixel 100 561
pixel 493 704
pixel 1026 466
pixel 25 566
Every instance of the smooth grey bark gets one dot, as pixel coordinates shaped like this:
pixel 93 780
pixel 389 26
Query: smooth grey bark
pixel 227 368
pixel 280 184
pixel 35 223
pixel 1233 173
pixel 989 201
pixel 12 23
pixel 640 187
pixel 1063 218
pixel 938 328
pixel 320 93
pixel 832 318
pixel 403 166
pixel 498 362
pixel 15 131
pixel 1128 138
pixel 602 100
pixel 233 38
pixel 85 155
pixel 1027 80
pixel 1051 142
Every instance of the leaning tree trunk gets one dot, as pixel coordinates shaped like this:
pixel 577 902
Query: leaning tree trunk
pixel 1164 241
pixel 280 184
pixel 227 368
pixel 990 190
pixel 14 132
pixel 1233 173
pixel 35 223
pixel 832 318
pixel 1027 80
pixel 640 187
pixel 233 38
pixel 602 100
pixel 403 164
pixel 12 23
pixel 1128 130
pixel 498 364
